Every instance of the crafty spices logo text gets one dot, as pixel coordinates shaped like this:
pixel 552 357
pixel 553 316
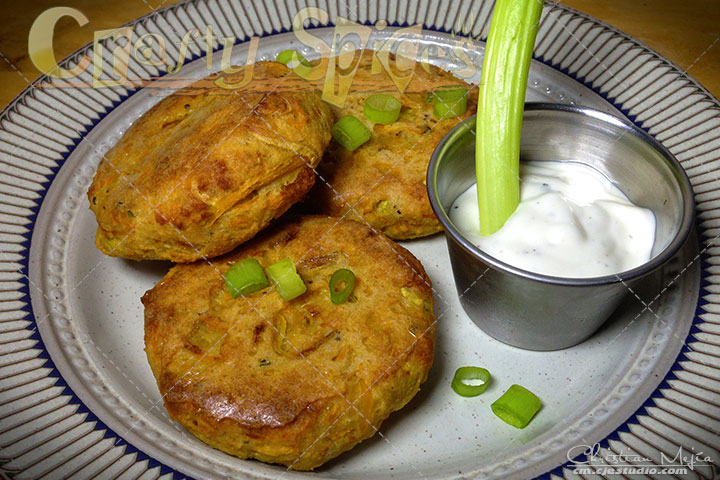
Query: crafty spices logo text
pixel 395 50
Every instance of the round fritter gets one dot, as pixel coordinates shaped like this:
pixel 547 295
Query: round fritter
pixel 383 181
pixel 296 382
pixel 205 169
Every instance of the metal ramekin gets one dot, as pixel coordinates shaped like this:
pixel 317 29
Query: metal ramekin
pixel 541 312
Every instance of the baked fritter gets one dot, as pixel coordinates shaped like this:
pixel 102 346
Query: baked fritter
pixel 206 169
pixel 296 382
pixel 383 181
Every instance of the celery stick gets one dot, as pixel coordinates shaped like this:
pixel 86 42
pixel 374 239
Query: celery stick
pixel 500 109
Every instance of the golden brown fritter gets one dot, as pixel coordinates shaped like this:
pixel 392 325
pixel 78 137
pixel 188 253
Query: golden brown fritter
pixel 203 171
pixel 296 382
pixel 384 179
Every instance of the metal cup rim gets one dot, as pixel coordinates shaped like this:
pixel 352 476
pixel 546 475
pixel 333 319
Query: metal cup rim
pixel 651 265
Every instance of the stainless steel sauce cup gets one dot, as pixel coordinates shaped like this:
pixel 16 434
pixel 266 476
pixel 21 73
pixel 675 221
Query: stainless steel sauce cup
pixel 541 312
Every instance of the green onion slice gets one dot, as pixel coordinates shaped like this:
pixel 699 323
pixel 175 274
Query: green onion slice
pixel 340 277
pixel 292 58
pixel 350 132
pixel 470 381
pixel 449 102
pixel 286 279
pixel 517 406
pixel 384 109
pixel 245 277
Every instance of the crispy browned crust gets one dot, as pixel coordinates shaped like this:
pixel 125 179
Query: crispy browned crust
pixel 217 166
pixel 278 381
pixel 384 179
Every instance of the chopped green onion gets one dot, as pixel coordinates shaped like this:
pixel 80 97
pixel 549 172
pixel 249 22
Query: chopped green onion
pixel 384 109
pixel 350 132
pixel 470 381
pixel 294 60
pixel 449 102
pixel 517 406
pixel 245 277
pixel 291 58
pixel 340 277
pixel 513 29
pixel 286 279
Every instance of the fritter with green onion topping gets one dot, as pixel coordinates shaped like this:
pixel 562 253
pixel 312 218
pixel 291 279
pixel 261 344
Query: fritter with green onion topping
pixel 293 382
pixel 382 182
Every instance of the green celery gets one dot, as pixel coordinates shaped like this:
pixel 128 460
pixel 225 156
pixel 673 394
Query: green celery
pixel 500 109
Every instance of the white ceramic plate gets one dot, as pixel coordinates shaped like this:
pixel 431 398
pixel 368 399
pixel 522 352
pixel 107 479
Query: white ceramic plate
pixel 78 400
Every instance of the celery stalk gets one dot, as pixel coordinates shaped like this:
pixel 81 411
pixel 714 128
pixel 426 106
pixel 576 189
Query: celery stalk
pixel 500 109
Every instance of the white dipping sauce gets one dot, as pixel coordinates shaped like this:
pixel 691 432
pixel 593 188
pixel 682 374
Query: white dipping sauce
pixel 571 222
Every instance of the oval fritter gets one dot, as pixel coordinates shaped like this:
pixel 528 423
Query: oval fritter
pixel 296 382
pixel 383 181
pixel 205 169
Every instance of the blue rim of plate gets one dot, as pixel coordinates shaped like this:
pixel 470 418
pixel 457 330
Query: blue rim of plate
pixel 165 469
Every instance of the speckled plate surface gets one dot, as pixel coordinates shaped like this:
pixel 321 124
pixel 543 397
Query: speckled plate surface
pixel 77 398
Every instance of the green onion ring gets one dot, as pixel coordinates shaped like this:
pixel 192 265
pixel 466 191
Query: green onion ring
pixel 245 277
pixel 350 132
pixel 463 375
pixel 287 56
pixel 286 279
pixel 449 102
pixel 340 276
pixel 517 406
pixel 383 109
